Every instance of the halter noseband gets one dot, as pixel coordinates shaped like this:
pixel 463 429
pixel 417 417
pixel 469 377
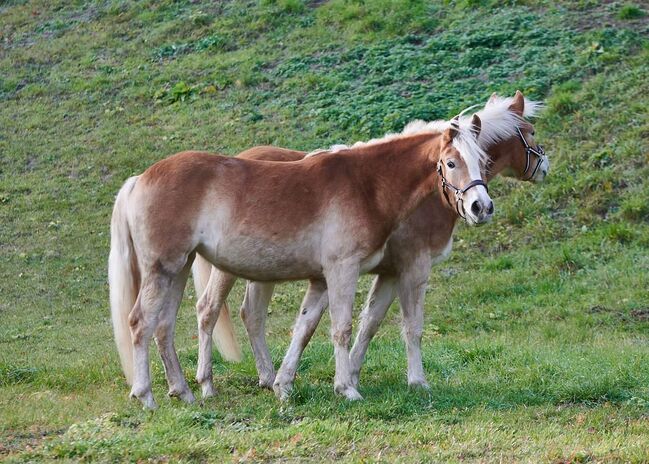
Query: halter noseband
pixel 459 193
pixel 536 151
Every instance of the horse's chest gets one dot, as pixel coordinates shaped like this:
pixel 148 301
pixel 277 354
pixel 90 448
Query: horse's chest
pixel 441 254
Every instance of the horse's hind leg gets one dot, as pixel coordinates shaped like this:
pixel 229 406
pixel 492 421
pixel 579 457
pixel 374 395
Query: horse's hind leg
pixel 253 312
pixel 164 337
pixel 207 311
pixel 143 319
pixel 381 296
pixel 313 305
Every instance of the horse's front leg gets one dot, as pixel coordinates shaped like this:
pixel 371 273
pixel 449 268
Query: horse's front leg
pixel 207 312
pixel 313 305
pixel 412 292
pixel 381 296
pixel 341 281
pixel 253 313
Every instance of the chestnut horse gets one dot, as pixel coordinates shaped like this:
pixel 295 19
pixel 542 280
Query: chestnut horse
pixel 326 217
pixel 422 240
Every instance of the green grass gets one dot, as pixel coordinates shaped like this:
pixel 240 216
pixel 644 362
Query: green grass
pixel 630 12
pixel 535 342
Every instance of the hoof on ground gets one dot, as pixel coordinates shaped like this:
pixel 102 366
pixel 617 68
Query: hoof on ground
pixel 283 391
pixel 267 381
pixel 186 395
pixel 146 398
pixel 350 393
pixel 419 385
pixel 208 390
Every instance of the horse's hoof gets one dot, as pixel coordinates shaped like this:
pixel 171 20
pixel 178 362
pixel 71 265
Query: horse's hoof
pixel 186 395
pixel 419 385
pixel 267 380
pixel 207 389
pixel 283 391
pixel 350 393
pixel 146 398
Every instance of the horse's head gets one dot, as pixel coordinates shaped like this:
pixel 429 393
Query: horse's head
pixel 518 155
pixel 459 169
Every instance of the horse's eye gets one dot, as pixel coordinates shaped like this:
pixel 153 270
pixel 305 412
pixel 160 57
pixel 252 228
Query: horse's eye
pixel 450 164
pixel 533 132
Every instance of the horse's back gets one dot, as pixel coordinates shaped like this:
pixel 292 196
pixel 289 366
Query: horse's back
pixel 270 153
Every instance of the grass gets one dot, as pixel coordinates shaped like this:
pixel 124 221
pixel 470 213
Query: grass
pixel 630 12
pixel 535 342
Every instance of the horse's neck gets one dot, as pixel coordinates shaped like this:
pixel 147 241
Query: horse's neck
pixel 498 157
pixel 401 173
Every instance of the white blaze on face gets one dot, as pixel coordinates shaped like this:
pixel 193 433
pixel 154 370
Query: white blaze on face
pixel 471 154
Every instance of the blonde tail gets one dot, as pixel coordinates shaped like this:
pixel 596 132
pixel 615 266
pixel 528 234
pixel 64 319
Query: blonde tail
pixel 123 278
pixel 223 334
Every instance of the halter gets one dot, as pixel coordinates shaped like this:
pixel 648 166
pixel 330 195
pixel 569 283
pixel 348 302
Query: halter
pixel 459 193
pixel 536 151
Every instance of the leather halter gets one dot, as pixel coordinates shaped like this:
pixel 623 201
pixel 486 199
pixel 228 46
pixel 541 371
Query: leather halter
pixel 536 151
pixel 459 193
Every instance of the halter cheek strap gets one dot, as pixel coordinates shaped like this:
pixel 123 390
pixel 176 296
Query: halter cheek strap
pixel 459 193
pixel 536 151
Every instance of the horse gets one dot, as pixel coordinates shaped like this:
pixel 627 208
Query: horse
pixel 326 217
pixel 422 240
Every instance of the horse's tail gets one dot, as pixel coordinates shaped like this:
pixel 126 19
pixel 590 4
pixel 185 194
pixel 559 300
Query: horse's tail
pixel 123 278
pixel 223 334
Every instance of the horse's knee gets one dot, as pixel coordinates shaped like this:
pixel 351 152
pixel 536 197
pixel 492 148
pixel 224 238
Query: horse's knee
pixel 136 323
pixel 207 316
pixel 163 333
pixel 342 336
pixel 251 319
pixel 412 331
pixel 202 305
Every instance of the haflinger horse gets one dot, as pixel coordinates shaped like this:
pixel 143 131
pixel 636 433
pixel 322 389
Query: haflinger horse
pixel 325 218
pixel 423 239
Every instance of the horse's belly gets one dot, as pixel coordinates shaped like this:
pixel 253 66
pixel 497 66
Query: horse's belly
pixel 264 260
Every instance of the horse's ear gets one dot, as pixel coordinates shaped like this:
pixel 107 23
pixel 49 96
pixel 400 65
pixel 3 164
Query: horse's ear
pixel 492 99
pixel 518 104
pixel 476 125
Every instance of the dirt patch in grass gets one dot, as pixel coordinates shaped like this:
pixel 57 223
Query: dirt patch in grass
pixel 635 315
pixel 25 441
pixel 640 314
pixel 606 14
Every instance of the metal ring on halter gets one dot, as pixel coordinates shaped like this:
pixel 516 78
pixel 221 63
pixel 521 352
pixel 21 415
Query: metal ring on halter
pixel 459 193
pixel 537 151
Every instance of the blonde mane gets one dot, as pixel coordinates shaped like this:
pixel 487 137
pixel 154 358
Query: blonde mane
pixel 465 142
pixel 498 123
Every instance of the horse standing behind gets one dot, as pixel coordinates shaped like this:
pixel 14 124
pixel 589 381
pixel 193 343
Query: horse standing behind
pixel 326 216
pixel 423 239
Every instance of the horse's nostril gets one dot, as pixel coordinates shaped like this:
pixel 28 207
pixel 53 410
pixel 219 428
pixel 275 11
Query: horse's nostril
pixel 475 208
pixel 490 208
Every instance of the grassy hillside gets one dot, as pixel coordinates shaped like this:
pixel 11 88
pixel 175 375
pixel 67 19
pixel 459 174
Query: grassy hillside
pixel 536 337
